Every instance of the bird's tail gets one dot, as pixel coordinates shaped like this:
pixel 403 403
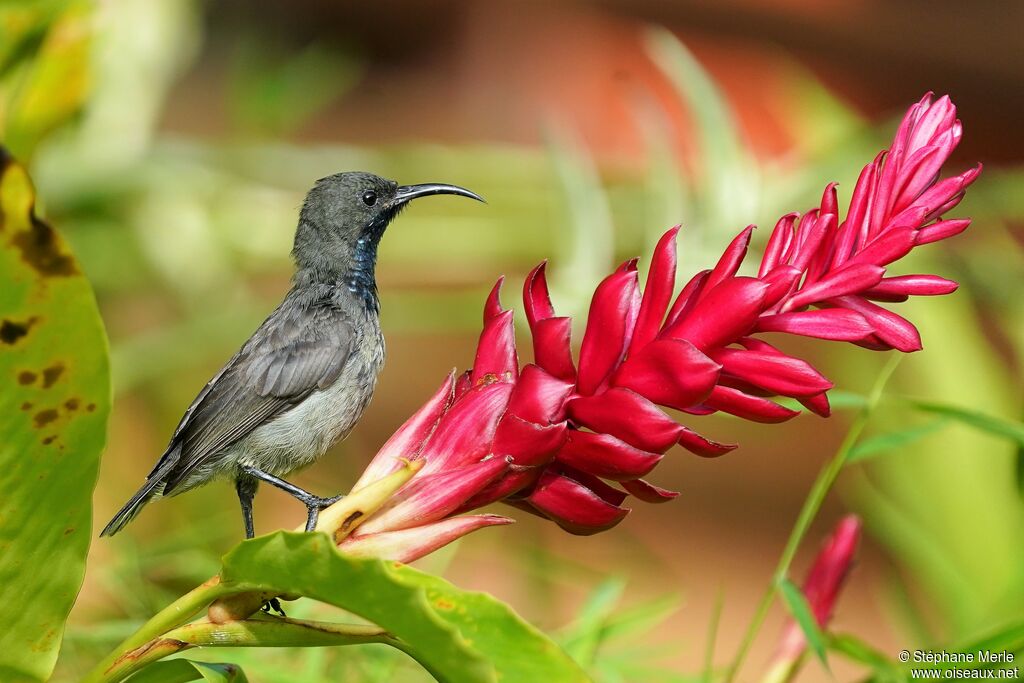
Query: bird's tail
pixel 153 488
pixel 150 490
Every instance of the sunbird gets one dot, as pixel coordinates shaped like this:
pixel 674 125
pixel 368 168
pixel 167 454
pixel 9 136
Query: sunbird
pixel 303 379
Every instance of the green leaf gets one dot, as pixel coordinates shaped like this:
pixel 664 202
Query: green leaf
pixel 726 162
pixel 587 248
pixel 846 400
pixel 707 673
pixel 45 75
pixel 890 441
pixel 53 413
pixel 588 630
pixel 456 635
pixel 1008 638
pixel 989 424
pixel 837 400
pixel 801 611
pixel 276 92
pixel 858 651
pixel 996 426
pixel 185 670
pixel 641 618
pixel 603 631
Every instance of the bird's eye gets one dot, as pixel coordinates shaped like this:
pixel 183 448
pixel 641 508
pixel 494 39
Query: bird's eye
pixel 369 198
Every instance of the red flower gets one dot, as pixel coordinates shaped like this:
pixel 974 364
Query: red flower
pixel 571 441
pixel 821 588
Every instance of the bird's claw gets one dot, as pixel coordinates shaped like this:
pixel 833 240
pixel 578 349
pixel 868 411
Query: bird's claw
pixel 273 606
pixel 317 503
pixel 314 504
pixel 328 502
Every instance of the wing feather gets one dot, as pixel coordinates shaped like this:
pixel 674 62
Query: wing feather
pixel 297 350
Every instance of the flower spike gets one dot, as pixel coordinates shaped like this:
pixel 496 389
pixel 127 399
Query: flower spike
pixel 571 440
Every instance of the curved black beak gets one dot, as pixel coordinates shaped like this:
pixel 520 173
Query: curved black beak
pixel 409 192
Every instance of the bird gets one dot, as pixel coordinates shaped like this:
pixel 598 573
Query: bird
pixel 303 379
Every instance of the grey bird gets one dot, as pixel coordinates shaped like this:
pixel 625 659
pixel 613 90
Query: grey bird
pixel 302 380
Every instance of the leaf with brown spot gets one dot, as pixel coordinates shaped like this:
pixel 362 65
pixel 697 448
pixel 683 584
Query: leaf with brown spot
pixel 11 331
pixel 52 374
pixel 61 362
pixel 45 417
pixel 41 249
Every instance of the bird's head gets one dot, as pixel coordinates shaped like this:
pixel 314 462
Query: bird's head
pixel 345 215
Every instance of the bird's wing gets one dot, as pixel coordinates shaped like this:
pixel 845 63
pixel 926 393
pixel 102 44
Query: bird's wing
pixel 293 353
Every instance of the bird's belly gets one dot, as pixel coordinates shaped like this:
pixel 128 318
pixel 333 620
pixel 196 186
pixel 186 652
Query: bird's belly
pixel 300 436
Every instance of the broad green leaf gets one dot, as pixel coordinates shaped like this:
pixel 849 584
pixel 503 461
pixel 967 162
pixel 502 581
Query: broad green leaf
pixel 801 611
pixel 53 413
pixel 996 426
pixel 45 76
pixel 890 441
pixel 456 635
pixel 185 671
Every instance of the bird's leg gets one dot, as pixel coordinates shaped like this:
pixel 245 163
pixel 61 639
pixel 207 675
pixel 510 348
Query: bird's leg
pixel 245 486
pixel 314 504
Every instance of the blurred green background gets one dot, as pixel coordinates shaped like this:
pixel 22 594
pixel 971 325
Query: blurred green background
pixel 172 142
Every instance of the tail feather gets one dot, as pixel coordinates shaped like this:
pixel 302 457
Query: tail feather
pixel 150 490
pixel 153 488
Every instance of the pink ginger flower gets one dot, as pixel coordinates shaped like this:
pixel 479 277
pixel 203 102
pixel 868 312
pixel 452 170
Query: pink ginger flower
pixel 821 589
pixel 571 439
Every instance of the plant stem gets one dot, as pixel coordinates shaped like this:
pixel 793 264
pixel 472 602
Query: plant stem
pixel 249 633
pixel 822 485
pixel 338 521
pixel 175 614
pixel 709 650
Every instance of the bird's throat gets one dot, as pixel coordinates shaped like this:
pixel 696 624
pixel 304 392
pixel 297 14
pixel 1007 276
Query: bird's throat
pixel 361 279
pixel 344 263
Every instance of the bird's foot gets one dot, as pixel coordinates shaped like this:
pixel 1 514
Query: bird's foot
pixel 273 606
pixel 314 504
pixel 328 502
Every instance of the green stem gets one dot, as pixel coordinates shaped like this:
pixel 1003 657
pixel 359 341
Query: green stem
pixel 822 485
pixel 709 650
pixel 175 614
pixel 248 633
pixel 338 521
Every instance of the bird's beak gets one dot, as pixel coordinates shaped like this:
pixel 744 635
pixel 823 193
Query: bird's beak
pixel 407 193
